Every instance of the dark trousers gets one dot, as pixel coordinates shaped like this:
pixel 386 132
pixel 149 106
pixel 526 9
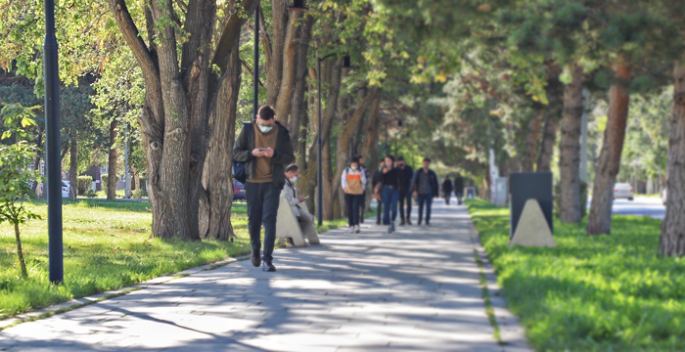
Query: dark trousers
pixel 262 208
pixel 405 196
pixel 459 195
pixel 448 195
pixel 427 200
pixel 353 202
pixel 390 197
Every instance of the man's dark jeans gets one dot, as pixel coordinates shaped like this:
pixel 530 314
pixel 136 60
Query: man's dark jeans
pixel 427 200
pixel 390 197
pixel 405 196
pixel 262 207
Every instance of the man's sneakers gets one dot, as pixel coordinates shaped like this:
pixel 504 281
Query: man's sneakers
pixel 357 230
pixel 352 228
pixel 255 258
pixel 267 266
pixel 408 221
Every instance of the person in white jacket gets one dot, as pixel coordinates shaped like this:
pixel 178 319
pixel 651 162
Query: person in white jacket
pixel 304 218
pixel 353 184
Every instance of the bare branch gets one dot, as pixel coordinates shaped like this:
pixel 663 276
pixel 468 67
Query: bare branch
pixel 132 37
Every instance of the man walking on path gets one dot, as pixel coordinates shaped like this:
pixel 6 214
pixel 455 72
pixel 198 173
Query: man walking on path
pixel 367 174
pixel 459 188
pixel 377 177
pixel 265 150
pixel 390 183
pixel 447 189
pixel 425 187
pixel 405 173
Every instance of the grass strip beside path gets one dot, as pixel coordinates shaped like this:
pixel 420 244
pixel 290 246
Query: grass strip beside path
pixel 107 246
pixel 598 293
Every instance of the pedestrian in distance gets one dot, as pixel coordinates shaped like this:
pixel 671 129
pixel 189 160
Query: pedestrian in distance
pixel 304 218
pixel 353 184
pixel 459 188
pixel 425 186
pixel 389 188
pixel 264 146
pixel 405 173
pixel 362 209
pixel 447 189
pixel 377 177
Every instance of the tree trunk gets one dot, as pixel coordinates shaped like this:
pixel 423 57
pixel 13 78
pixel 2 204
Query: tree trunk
pixel 36 160
pixel 180 96
pixel 532 139
pixel 553 113
pixel 569 148
pixel 328 194
pixel 112 162
pixel 20 252
pixel 298 107
pixel 331 74
pixel 370 151
pixel 217 196
pixel 672 240
pixel 610 155
pixel 73 166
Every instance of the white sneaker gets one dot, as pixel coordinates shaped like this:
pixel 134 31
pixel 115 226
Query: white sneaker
pixel 351 229
pixel 358 229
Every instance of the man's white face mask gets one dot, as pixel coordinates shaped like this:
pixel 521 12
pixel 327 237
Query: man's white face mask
pixel 265 129
pixel 293 179
pixel 354 167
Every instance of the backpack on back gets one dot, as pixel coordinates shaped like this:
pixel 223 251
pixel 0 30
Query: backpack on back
pixel 239 168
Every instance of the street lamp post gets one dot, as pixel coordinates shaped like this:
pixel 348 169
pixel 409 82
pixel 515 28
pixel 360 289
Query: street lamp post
pixel 319 168
pixel 52 150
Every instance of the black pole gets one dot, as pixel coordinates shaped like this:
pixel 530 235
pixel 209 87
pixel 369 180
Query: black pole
pixel 256 62
pixel 52 146
pixel 319 206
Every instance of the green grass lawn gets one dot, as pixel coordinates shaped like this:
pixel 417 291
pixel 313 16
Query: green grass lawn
pixel 107 246
pixel 600 293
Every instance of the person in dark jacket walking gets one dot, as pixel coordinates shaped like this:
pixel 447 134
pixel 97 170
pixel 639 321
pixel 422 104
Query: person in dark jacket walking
pixel 425 186
pixel 447 189
pixel 377 177
pixel 390 184
pixel 266 149
pixel 406 173
pixel 459 188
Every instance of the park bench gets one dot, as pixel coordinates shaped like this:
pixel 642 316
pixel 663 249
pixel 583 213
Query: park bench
pixel 288 227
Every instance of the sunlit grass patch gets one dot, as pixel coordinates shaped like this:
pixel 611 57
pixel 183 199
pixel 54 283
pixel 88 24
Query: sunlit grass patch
pixel 591 293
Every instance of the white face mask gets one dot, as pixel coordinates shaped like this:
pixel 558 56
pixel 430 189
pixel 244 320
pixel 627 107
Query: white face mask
pixel 265 129
pixel 293 179
pixel 354 167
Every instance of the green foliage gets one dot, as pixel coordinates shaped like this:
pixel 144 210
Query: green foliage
pixel 591 293
pixel 105 181
pixel 84 184
pixel 107 245
pixel 16 175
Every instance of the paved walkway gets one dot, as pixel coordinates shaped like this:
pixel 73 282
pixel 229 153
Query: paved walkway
pixel 415 290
